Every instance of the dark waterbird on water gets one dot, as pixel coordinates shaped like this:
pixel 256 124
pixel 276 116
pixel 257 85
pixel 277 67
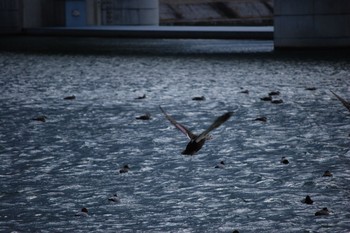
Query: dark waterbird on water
pixel 307 200
pixel 144 117
pixel 41 118
pixel 197 141
pixel 71 97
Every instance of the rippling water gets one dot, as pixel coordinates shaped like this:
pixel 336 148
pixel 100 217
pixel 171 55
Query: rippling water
pixel 50 170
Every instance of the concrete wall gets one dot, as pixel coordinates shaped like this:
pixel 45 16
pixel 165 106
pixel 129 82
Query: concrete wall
pixel 43 13
pixel 312 23
pixel 135 12
pixel 10 16
pixel 32 13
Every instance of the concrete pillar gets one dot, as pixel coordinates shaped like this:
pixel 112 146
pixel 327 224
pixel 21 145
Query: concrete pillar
pixel 93 12
pixel 10 16
pixel 32 16
pixel 311 23
pixel 136 12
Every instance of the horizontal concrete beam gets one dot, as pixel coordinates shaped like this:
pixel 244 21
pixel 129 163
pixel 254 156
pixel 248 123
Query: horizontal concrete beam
pixel 259 33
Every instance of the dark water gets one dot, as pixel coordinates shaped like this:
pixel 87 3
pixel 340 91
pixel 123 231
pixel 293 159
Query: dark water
pixel 50 170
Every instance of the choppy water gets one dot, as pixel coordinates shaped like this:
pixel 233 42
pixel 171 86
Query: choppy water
pixel 51 170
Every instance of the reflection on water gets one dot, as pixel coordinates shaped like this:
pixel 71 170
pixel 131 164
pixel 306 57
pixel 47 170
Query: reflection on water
pixel 50 170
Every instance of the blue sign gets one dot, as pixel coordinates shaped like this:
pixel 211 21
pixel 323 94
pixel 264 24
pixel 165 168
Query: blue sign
pixel 75 13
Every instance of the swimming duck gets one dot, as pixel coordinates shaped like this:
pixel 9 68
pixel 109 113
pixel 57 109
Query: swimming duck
pixel 145 117
pixel 198 98
pixel 343 101
pixel 40 118
pixel 197 141
pixel 263 119
pixel 307 200
pixel 323 211
pixel 71 97
pixel 327 173
pixel 311 88
pixel 245 92
pixel 83 213
pixel 220 165
pixel 114 198
pixel 124 169
pixel 277 101
pixel 284 160
pixel 266 98
pixel 274 93
pixel 141 97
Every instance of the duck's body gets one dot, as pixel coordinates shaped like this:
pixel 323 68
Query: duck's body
pixel 198 98
pixel 71 97
pixel 327 174
pixel 279 101
pixel 197 141
pixel 145 117
pixel 311 88
pixel 274 93
pixel 40 118
pixel 266 98
pixel 124 169
pixel 323 211
pixel 193 147
pixel 220 165
pixel 284 160
pixel 245 92
pixel 141 97
pixel 114 198
pixel 263 119
pixel 83 213
pixel 308 200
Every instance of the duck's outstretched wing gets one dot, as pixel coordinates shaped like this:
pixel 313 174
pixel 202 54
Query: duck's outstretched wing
pixel 179 126
pixel 220 120
pixel 343 101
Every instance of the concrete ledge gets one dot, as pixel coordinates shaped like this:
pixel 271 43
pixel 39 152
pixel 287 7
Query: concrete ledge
pixel 258 33
pixel 312 43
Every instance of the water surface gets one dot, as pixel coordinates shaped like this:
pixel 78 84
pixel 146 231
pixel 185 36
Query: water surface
pixel 50 170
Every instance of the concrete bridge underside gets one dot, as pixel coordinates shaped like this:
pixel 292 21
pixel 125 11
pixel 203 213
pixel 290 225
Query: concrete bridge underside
pixel 297 23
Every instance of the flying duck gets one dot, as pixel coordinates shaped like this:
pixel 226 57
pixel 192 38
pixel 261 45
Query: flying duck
pixel 197 141
pixel 343 101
